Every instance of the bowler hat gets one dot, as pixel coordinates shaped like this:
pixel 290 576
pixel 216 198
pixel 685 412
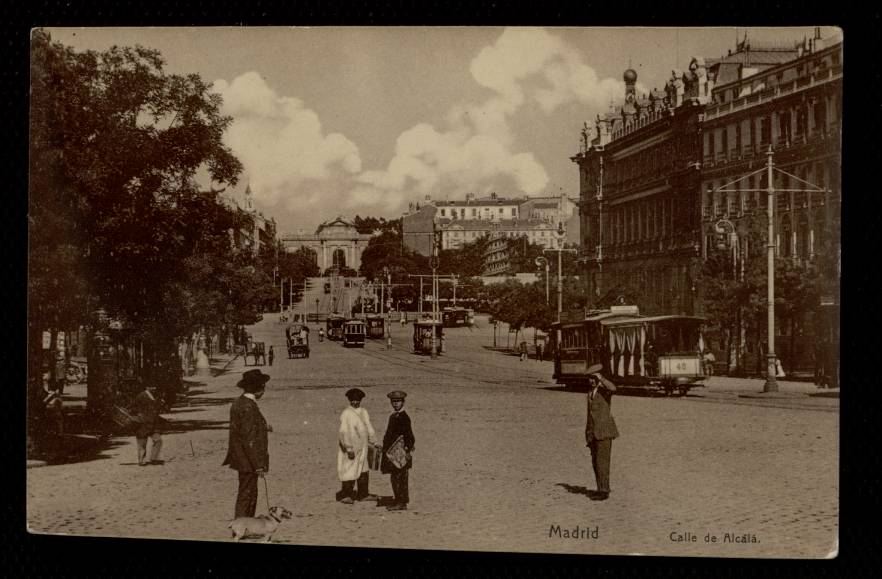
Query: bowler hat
pixel 594 368
pixel 253 380
pixel 397 395
pixel 355 394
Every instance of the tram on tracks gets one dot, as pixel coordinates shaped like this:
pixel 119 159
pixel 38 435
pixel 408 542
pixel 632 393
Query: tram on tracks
pixel 334 327
pixel 353 333
pixel 657 353
pixel 456 317
pixel 422 336
pixel 376 327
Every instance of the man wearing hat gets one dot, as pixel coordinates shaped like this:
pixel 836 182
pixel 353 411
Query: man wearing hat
pixel 355 434
pixel 399 427
pixel 248 452
pixel 600 429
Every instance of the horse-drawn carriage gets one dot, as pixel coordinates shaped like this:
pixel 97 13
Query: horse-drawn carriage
pixel 297 338
pixel 257 351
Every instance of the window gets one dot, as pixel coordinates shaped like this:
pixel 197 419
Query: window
pixel 784 127
pixel 442 212
pixel 765 130
pixel 514 211
pixel 474 212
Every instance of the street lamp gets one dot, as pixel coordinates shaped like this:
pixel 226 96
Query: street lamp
pixel 316 310
pixel 561 233
pixel 771 384
pixel 541 261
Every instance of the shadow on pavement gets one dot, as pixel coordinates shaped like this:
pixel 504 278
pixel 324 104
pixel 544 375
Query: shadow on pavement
pixel 576 490
pixel 74 448
pixel 181 426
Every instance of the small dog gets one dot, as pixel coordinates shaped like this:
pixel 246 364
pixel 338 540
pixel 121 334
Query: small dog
pixel 260 526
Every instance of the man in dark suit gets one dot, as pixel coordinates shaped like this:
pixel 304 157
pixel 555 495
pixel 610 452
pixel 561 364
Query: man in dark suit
pixel 600 429
pixel 145 410
pixel 248 448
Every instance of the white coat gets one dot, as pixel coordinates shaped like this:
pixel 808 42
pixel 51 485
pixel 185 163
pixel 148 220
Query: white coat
pixel 356 433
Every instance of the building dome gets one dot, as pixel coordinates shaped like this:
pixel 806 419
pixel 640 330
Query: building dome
pixel 630 76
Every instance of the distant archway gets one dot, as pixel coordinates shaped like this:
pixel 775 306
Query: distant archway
pixel 339 258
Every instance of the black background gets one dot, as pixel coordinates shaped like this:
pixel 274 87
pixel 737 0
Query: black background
pixel 44 556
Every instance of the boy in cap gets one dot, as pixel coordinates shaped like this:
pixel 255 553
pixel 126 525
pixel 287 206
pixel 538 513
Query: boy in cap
pixel 355 434
pixel 399 428
pixel 248 448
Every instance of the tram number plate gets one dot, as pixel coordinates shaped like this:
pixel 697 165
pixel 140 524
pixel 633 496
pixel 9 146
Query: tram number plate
pixel 679 365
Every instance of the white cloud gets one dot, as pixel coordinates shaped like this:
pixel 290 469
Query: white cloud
pixel 289 160
pixel 280 141
pixel 476 150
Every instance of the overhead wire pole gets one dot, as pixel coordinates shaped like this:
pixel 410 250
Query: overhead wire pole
pixel 771 384
pixel 561 232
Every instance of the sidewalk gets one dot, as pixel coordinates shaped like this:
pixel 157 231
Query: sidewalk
pixel 81 441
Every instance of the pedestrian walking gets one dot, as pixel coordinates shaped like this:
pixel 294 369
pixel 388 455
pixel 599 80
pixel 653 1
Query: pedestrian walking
pixel 539 351
pixel 248 451
pixel 600 430
pixel 709 360
pixel 398 446
pixel 355 434
pixel 522 348
pixel 389 342
pixel 321 334
pixel 145 410
pixel 272 356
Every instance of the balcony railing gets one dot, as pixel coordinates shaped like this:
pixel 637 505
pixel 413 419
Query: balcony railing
pixel 771 93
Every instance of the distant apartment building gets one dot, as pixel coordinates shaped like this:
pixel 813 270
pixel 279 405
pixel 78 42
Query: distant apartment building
pixel 258 232
pixel 458 222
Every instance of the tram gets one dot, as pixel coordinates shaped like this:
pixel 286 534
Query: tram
pixel 422 336
pixel 353 333
pixel 376 327
pixel 456 317
pixel 297 340
pixel 334 327
pixel 661 353
pixel 327 287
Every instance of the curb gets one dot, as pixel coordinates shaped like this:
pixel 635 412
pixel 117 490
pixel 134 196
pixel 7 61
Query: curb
pixel 32 463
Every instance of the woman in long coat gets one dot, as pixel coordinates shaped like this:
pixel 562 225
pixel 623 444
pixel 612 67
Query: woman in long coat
pixel 355 434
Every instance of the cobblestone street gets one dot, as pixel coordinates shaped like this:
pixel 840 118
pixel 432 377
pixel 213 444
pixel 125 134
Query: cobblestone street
pixel 500 462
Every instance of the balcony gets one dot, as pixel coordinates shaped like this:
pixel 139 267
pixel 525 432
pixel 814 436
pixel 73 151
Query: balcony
pixel 771 93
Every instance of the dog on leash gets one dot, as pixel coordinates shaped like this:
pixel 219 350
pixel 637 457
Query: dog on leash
pixel 260 526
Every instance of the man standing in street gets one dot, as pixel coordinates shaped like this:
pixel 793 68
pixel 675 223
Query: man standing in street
pixel 248 448
pixel 600 429
pixel 145 410
pixel 399 462
pixel 355 434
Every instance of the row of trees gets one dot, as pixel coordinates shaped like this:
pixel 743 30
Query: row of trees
pixel 118 221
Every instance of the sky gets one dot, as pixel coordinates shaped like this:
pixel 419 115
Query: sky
pixel 332 121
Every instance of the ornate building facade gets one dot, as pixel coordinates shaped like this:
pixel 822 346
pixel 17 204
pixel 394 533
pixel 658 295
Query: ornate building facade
pixel 335 243
pixel 792 107
pixel 639 180
pixel 659 175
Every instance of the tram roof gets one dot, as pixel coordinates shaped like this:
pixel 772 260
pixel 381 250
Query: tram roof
pixel 651 319
pixel 622 319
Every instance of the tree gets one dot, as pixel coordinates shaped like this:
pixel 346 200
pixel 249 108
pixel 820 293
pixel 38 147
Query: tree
pixel 117 218
pixel 466 260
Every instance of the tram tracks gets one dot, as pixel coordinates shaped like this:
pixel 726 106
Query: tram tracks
pixel 463 374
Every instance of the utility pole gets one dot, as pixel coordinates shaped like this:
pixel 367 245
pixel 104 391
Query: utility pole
pixel 281 295
pixel 771 384
pixel 561 233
